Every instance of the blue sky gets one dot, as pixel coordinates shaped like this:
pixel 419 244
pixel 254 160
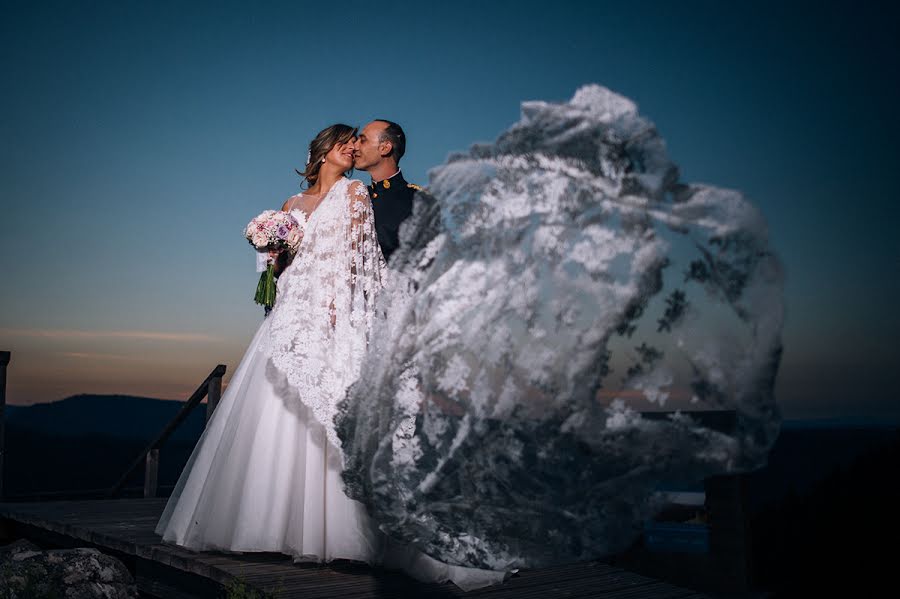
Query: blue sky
pixel 138 138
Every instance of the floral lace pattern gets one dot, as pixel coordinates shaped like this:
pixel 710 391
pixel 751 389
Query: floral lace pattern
pixel 320 322
pixel 549 289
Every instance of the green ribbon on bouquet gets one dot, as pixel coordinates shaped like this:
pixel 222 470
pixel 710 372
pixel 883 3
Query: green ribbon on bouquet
pixel 265 290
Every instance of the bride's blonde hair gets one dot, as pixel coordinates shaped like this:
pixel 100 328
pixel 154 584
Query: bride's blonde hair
pixel 321 145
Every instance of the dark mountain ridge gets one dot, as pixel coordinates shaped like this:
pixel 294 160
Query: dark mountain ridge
pixel 124 416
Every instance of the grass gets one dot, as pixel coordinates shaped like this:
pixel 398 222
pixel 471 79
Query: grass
pixel 238 588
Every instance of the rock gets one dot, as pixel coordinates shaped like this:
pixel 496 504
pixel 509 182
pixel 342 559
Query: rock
pixel 27 572
pixel 18 550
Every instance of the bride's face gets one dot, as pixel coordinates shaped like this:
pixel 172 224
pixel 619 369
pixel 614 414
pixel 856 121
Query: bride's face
pixel 341 155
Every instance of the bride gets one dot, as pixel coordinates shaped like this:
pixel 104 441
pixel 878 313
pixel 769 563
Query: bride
pixel 265 474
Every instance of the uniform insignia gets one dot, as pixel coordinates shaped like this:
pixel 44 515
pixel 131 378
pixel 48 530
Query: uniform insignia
pixel 387 183
pixel 414 186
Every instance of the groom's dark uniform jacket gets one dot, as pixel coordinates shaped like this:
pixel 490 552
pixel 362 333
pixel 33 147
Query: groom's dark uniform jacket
pixel 392 201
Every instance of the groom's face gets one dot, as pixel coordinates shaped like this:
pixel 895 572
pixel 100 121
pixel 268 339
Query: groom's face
pixel 369 149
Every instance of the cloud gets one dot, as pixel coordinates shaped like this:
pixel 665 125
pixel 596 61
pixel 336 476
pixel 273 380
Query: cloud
pixel 138 335
pixel 97 356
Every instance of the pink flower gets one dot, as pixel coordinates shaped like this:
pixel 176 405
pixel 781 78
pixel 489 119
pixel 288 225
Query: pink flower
pixel 272 227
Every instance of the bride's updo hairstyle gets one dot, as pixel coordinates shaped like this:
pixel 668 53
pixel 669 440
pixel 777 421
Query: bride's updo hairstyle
pixel 321 145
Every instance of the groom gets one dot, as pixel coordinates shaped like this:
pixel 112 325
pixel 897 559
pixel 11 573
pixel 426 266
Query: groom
pixel 379 148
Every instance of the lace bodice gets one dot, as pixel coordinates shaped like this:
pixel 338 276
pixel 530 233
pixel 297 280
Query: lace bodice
pixel 300 215
pixel 319 325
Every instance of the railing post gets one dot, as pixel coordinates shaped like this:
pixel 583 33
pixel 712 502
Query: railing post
pixel 213 394
pixel 151 473
pixel 728 535
pixel 4 360
pixel 150 455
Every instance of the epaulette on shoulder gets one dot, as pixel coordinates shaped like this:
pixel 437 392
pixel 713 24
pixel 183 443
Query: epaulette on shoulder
pixel 414 186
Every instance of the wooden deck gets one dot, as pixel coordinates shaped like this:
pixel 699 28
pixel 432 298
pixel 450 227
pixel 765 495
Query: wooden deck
pixel 124 528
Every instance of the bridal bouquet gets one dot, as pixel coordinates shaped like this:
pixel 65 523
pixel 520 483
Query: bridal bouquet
pixel 273 230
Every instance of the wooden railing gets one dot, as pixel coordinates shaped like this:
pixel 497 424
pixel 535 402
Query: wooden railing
pixel 4 360
pixel 211 387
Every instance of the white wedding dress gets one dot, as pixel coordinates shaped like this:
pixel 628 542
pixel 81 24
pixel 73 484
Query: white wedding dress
pixel 265 474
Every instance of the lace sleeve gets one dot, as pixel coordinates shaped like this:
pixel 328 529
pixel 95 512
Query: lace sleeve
pixel 296 236
pixel 364 249
pixel 319 328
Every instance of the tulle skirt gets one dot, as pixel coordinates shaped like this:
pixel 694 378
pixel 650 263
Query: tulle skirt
pixel 263 477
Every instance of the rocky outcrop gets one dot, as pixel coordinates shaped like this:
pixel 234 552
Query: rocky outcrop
pixel 28 572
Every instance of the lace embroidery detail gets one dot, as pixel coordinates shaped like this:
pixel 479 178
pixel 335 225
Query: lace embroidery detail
pixel 301 217
pixel 318 330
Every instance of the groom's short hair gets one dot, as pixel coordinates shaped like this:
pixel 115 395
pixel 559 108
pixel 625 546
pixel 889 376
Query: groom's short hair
pixel 394 134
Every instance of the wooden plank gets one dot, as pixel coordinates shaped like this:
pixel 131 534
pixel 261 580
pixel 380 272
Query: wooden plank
pixel 607 583
pixel 613 584
pixel 164 581
pixel 127 526
pixel 592 569
pixel 4 361
pixel 158 588
pixel 543 579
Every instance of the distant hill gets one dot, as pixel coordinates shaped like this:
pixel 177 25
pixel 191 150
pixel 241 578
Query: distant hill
pixel 45 441
pixel 113 415
pixel 806 452
pixel 37 462
pixel 137 417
